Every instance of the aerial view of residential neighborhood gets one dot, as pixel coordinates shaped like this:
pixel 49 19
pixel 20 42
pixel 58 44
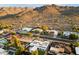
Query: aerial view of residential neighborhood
pixel 39 29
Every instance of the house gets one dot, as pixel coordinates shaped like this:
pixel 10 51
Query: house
pixel 1 45
pixel 57 50
pixel 3 41
pixel 54 33
pixel 37 29
pixel 1 31
pixel 26 39
pixel 43 45
pixel 12 51
pixel 77 50
pixel 22 38
pixel 67 33
pixel 24 30
pixel 3 52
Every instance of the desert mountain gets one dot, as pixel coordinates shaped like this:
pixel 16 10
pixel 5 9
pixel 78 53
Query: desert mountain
pixel 54 16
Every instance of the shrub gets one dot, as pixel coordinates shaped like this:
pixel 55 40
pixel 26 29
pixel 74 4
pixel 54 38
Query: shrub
pixel 44 33
pixel 76 28
pixel 44 27
pixel 75 44
pixel 36 31
pixel 13 33
pixel 73 36
pixel 60 34
pixel 41 52
pixel 34 52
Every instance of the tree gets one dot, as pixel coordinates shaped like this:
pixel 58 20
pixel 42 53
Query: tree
pixel 44 33
pixel 4 26
pixel 44 27
pixel 20 49
pixel 76 28
pixel 35 52
pixel 75 44
pixel 18 45
pixel 35 31
pixel 1 27
pixel 60 34
pixel 41 52
pixel 16 41
pixel 73 36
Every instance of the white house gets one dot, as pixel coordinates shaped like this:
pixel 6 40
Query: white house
pixel 40 44
pixel 2 42
pixel 12 50
pixel 1 31
pixel 77 50
pixel 26 29
pixel 54 32
pixel 1 45
pixel 37 29
pixel 3 52
pixel 66 33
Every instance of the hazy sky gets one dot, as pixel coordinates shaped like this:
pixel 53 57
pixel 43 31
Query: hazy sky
pixel 21 5
pixel 71 4
pixel 31 5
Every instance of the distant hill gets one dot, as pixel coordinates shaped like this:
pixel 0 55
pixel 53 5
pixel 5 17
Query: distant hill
pixel 54 16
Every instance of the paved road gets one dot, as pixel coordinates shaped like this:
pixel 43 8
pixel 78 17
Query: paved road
pixel 52 38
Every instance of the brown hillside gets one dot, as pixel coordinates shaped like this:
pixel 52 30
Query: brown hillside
pixel 56 17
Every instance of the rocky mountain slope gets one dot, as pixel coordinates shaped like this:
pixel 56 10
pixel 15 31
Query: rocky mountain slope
pixel 56 17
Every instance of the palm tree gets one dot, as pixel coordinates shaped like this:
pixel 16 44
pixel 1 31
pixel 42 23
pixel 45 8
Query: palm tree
pixel 16 41
pixel 18 45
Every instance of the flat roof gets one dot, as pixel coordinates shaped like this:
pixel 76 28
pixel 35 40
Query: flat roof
pixel 77 50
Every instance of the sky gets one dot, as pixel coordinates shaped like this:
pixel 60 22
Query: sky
pixel 31 5
pixel 71 5
pixel 21 5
